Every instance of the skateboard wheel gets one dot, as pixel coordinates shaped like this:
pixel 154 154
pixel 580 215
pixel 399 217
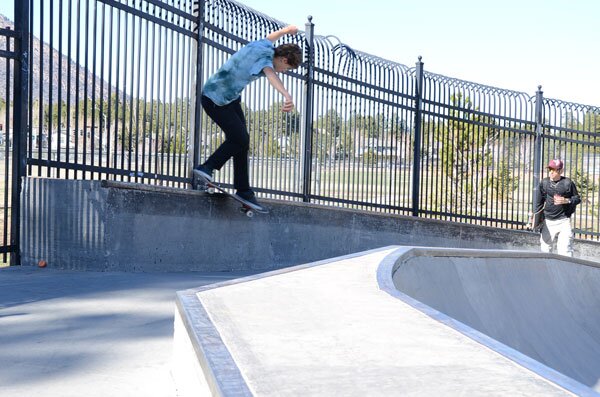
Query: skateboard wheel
pixel 210 190
pixel 249 213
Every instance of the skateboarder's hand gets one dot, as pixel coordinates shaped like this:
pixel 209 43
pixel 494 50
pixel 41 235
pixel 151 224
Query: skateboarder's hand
pixel 288 105
pixel 291 29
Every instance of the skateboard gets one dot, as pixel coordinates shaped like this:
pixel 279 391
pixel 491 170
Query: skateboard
pixel 247 207
pixel 536 221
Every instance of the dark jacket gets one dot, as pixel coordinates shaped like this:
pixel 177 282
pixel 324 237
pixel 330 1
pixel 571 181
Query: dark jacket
pixel 563 187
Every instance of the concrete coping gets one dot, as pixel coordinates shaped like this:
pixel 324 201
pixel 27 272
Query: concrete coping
pixel 487 253
pixel 348 211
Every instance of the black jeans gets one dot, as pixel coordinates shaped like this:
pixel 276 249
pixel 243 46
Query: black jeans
pixel 237 140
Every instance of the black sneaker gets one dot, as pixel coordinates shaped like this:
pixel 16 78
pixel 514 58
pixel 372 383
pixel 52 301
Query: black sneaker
pixel 249 197
pixel 204 172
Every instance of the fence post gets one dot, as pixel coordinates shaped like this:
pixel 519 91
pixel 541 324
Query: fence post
pixel 308 110
pixel 416 174
pixel 197 138
pixel 20 128
pixel 538 144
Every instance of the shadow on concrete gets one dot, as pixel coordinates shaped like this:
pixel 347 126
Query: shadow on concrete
pixel 93 333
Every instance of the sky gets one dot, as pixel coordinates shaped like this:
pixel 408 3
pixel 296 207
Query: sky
pixel 510 44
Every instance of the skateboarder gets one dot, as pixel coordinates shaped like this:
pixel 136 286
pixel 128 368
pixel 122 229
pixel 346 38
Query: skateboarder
pixel 222 102
pixel 560 197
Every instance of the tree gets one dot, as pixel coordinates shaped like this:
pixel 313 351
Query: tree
pixel 171 144
pixel 273 132
pixel 503 182
pixel 369 126
pixel 591 123
pixel 344 144
pixel 328 129
pixel 465 149
pixel 585 184
pixel 330 122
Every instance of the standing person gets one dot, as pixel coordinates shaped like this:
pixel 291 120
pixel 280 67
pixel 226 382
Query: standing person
pixel 222 102
pixel 558 196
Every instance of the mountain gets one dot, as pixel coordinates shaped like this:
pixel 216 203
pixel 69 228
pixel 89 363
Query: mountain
pixel 49 82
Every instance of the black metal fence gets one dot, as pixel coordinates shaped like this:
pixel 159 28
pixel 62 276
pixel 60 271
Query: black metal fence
pixel 113 95
pixel 13 98
pixel 373 134
pixel 112 89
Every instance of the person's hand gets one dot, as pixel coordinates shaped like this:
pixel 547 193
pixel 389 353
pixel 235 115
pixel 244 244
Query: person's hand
pixel 288 105
pixel 291 29
pixel 560 200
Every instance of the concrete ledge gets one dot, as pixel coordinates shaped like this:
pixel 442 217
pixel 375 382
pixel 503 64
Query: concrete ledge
pixel 94 225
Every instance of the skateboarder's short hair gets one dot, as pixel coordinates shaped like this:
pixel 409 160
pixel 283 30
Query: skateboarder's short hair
pixel 291 52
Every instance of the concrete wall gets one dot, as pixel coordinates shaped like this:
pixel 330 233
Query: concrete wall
pixel 96 225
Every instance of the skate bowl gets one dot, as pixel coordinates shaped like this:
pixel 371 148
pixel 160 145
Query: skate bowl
pixel 396 320
pixel 542 311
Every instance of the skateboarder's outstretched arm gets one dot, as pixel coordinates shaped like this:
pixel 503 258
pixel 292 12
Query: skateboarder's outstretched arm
pixel 276 35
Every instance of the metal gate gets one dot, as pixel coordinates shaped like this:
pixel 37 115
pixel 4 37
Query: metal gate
pixel 13 116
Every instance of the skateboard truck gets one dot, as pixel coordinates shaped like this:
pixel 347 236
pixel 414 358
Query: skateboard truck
pixel 211 188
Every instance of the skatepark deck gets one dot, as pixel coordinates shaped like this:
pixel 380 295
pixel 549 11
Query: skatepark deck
pixel 343 327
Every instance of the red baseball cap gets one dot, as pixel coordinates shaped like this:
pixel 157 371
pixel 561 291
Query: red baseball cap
pixel 556 164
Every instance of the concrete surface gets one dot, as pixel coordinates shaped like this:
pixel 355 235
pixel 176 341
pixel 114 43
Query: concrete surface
pixel 68 333
pixel 544 306
pixel 334 328
pixel 108 226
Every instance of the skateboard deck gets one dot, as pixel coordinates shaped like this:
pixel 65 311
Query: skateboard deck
pixel 536 221
pixel 247 207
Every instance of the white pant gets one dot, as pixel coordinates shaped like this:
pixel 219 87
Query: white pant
pixel 564 243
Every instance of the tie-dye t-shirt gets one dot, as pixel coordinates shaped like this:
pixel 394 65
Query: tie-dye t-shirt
pixel 241 69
